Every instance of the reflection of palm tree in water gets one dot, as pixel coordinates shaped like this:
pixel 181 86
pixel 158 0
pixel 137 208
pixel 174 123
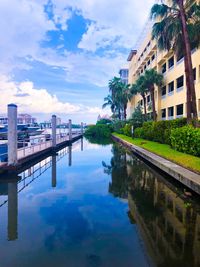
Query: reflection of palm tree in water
pixel 118 171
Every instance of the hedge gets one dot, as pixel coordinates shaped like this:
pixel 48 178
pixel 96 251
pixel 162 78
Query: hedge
pixel 186 139
pixel 159 131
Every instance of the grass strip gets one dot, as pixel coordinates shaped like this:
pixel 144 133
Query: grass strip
pixel 165 151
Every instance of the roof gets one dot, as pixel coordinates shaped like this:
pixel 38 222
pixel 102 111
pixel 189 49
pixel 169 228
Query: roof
pixel 131 54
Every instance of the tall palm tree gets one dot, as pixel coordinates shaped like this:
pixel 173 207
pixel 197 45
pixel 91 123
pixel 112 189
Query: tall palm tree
pixel 178 28
pixel 152 78
pixel 142 90
pixel 108 101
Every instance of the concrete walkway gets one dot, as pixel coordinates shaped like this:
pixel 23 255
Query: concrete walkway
pixel 183 175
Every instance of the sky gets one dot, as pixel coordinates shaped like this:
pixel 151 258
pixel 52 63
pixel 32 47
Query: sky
pixel 57 56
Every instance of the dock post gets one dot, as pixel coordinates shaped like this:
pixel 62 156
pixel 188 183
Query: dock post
pixel 53 121
pixel 12 134
pixel 81 128
pixel 70 130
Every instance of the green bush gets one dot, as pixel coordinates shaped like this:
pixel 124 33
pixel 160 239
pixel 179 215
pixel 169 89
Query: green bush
pixel 99 131
pixel 159 131
pixel 118 125
pixel 127 129
pixel 186 139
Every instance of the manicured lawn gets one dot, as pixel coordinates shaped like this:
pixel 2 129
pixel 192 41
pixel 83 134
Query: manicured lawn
pixel 165 151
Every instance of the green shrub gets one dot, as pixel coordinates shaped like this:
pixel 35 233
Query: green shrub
pixel 118 125
pixel 127 129
pixel 99 131
pixel 159 131
pixel 186 139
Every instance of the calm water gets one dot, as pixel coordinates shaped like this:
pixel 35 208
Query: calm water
pixel 98 207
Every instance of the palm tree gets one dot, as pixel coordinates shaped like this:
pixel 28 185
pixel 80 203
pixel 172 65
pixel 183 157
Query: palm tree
pixel 178 29
pixel 152 78
pixel 142 90
pixel 108 101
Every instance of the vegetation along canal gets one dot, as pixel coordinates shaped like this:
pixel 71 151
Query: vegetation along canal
pixel 94 205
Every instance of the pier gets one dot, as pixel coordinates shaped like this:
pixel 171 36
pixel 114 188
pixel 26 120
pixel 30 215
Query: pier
pixel 20 152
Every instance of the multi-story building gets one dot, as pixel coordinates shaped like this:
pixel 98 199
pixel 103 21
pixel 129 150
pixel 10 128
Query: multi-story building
pixel 21 119
pixel 170 99
pixel 124 75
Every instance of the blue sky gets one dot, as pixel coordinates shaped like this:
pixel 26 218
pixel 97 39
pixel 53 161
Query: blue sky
pixel 57 56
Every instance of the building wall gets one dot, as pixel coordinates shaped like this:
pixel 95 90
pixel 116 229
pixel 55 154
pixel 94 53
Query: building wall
pixel 148 56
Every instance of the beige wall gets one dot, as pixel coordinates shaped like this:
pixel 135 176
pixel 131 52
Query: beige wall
pixel 137 64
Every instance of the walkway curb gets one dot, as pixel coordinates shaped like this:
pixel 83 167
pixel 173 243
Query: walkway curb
pixel 183 175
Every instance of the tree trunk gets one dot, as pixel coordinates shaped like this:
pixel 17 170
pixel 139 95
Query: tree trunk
pixel 145 106
pixel 125 106
pixel 119 114
pixel 153 102
pixel 191 94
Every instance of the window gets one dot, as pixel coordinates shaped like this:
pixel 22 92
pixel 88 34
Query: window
pixel 141 71
pixel 145 67
pixel 171 88
pixel 170 112
pixel 179 83
pixel 148 44
pixel 148 98
pixel 179 57
pixel 153 57
pixel 164 68
pixel 163 113
pixel 149 61
pixel 163 91
pixel 179 110
pixel 141 102
pixel 171 62
pixel 194 74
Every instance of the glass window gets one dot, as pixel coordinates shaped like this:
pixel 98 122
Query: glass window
pixel 148 98
pixel 179 110
pixel 180 82
pixel 171 87
pixel 194 74
pixel 164 68
pixel 153 57
pixel 171 62
pixel 141 102
pixel 163 112
pixel 149 61
pixel 179 57
pixel 171 111
pixel 163 91
pixel 145 67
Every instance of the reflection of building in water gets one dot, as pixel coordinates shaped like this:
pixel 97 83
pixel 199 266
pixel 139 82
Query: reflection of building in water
pixel 168 224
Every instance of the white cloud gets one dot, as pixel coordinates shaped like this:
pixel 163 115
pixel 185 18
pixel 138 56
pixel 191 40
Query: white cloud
pixel 37 101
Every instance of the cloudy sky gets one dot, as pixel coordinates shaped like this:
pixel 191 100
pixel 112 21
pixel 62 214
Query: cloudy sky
pixel 56 56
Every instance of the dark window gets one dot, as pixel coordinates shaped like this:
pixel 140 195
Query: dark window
pixel 153 57
pixel 141 102
pixel 171 111
pixel 163 111
pixel 170 87
pixel 179 57
pixel 149 61
pixel 164 68
pixel 171 62
pixel 148 98
pixel 148 43
pixel 194 74
pixel 163 91
pixel 179 82
pixel 145 67
pixel 179 110
pixel 141 71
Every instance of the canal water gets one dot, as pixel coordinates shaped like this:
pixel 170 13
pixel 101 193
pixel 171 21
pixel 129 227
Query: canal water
pixel 92 205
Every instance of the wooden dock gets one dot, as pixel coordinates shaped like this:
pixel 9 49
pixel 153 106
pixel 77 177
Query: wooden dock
pixel 31 151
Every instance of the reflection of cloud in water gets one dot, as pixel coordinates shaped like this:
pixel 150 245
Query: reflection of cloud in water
pixel 69 225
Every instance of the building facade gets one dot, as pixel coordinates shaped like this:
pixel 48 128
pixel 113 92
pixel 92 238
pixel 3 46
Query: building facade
pixel 124 75
pixel 21 119
pixel 170 99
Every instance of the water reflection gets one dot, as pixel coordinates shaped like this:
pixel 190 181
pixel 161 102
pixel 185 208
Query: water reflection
pixel 13 183
pixel 168 222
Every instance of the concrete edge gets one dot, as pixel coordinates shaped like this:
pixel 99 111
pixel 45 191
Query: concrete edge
pixel 186 177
